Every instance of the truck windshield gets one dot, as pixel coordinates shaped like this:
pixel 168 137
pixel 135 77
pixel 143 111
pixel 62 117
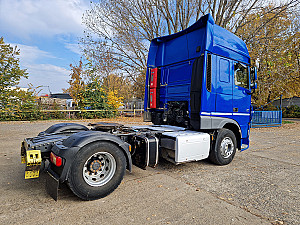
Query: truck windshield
pixel 241 75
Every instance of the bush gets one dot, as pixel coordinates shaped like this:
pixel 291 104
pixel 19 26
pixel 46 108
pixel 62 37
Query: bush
pixel 291 112
pixel 19 105
pixel 23 105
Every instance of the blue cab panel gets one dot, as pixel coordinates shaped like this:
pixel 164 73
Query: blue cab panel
pixel 204 81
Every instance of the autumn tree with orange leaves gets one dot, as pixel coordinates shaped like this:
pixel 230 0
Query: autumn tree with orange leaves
pixel 76 82
pixel 273 40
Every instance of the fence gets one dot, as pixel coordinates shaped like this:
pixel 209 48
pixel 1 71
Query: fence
pixel 67 114
pixel 259 118
pixel 119 112
pixel 266 118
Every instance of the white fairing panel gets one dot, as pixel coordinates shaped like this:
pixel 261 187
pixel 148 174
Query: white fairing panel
pixel 190 145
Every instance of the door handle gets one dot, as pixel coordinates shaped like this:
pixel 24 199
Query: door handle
pixel 235 109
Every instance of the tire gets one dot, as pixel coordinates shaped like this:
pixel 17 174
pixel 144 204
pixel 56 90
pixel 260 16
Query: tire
pixel 97 170
pixel 224 148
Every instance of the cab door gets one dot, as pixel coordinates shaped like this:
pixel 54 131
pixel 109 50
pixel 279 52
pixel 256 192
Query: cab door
pixel 241 96
pixel 223 87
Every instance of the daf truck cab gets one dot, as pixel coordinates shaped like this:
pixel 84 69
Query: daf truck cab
pixel 201 79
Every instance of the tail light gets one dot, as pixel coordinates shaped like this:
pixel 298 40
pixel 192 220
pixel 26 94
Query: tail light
pixel 154 88
pixel 153 98
pixel 56 160
pixel 154 78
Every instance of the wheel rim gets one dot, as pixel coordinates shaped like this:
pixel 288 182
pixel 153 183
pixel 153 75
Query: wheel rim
pixel 99 169
pixel 226 147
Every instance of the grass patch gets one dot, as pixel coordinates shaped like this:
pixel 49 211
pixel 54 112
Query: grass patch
pixel 286 122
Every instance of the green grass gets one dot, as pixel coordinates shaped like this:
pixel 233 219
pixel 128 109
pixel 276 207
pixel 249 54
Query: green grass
pixel 286 122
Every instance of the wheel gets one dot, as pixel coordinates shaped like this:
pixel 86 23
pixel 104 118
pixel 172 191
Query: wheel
pixel 224 148
pixel 97 170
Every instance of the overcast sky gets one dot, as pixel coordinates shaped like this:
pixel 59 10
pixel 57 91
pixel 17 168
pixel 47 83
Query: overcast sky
pixel 47 34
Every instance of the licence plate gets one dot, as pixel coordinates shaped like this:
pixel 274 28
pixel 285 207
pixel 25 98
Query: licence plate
pixel 33 160
pixel 32 172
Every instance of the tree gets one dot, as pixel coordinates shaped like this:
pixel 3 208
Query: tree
pixel 118 32
pixel 113 100
pixel 276 45
pixel 10 72
pixel 76 82
pixel 94 98
pixel 117 84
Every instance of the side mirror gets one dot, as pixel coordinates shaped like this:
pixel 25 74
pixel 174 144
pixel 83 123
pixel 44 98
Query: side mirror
pixel 253 78
pixel 253 74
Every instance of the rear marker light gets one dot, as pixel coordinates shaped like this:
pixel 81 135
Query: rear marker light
pixel 56 160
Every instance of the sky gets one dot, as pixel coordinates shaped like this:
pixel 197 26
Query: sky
pixel 47 33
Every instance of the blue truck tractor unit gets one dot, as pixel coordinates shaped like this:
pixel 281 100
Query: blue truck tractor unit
pixel 198 96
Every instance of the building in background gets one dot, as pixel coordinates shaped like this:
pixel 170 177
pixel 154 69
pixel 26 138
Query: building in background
pixel 56 101
pixel 286 102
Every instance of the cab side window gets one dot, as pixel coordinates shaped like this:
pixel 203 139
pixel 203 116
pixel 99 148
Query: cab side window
pixel 241 75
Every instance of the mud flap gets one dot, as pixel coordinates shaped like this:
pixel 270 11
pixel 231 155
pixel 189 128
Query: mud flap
pixel 52 184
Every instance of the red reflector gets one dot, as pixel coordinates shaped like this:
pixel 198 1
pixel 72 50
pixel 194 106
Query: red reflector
pixel 153 98
pixel 56 160
pixel 153 78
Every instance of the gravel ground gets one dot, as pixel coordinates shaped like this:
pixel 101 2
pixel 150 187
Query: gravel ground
pixel 260 186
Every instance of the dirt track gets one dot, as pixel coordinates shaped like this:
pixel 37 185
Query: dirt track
pixel 261 186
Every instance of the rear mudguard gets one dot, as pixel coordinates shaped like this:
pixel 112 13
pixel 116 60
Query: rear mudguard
pixel 64 128
pixel 46 139
pixel 68 148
